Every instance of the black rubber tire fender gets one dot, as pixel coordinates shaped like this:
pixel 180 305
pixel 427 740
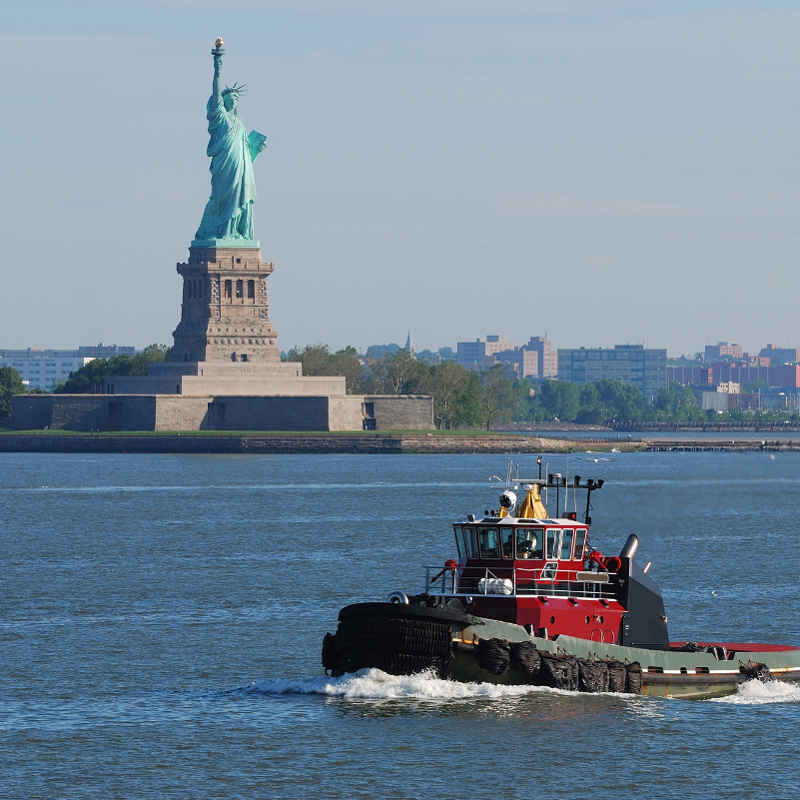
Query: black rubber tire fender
pixel 633 683
pixel 399 663
pixel 559 672
pixel 617 676
pixel 527 658
pixel 494 655
pixel 592 676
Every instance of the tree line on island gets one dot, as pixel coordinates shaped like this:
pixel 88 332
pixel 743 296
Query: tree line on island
pixel 463 398
pixel 89 379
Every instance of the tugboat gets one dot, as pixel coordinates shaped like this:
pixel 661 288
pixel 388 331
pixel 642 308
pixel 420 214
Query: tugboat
pixel 529 601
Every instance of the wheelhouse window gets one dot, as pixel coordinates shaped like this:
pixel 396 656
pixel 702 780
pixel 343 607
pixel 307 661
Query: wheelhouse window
pixel 566 544
pixel 552 542
pixel 489 542
pixel 465 542
pixel 580 544
pixel 530 543
pixel 507 542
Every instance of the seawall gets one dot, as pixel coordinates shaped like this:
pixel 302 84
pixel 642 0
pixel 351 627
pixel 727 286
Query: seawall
pixel 689 445
pixel 321 443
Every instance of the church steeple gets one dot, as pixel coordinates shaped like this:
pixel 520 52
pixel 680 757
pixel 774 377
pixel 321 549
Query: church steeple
pixel 409 345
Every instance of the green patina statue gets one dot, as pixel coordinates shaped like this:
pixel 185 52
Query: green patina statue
pixel 228 216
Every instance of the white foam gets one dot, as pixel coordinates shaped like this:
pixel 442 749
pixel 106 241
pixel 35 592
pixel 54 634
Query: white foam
pixel 374 684
pixel 756 693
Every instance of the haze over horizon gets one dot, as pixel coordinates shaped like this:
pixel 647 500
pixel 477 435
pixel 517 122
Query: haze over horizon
pixel 455 168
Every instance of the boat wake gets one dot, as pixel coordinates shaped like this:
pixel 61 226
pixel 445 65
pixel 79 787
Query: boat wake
pixel 374 684
pixel 757 693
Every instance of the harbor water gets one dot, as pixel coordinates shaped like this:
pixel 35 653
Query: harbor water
pixel 162 617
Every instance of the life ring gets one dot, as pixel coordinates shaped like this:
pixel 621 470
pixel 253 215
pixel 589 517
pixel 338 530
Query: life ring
pixel 613 564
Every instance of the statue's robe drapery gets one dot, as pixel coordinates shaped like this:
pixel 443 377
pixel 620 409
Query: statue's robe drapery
pixel 229 211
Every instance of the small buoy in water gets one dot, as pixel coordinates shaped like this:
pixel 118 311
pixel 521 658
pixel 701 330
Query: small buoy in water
pixel 772 456
pixel 713 592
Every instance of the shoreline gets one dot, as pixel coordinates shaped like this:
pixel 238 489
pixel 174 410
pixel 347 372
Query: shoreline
pixel 209 442
pixel 307 442
pixel 721 445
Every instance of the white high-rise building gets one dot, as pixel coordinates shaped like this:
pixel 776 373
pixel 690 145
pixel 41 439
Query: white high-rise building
pixel 45 369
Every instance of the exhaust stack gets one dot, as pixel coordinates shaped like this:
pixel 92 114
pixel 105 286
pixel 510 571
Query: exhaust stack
pixel 630 547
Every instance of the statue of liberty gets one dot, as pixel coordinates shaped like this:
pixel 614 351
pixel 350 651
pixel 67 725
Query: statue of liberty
pixel 228 216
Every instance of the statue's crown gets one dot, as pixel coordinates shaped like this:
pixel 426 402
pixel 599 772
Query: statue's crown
pixel 237 89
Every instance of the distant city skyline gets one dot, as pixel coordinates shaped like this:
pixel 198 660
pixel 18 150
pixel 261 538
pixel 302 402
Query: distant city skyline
pixel 705 351
pixel 614 175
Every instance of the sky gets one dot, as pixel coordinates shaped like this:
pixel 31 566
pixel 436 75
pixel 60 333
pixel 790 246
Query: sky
pixel 605 173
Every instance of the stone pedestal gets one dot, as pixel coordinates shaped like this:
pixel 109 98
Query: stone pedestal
pixel 224 371
pixel 225 310
pixel 196 378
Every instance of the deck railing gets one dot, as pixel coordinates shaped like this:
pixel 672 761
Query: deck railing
pixel 521 582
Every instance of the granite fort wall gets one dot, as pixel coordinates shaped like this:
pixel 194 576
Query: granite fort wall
pixel 172 412
pixel 181 413
pixel 346 413
pixel 233 413
pixel 177 413
pixel 84 412
pixel 401 412
pixel 30 413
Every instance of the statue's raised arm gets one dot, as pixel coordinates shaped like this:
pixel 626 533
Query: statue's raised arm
pixel 217 53
pixel 228 216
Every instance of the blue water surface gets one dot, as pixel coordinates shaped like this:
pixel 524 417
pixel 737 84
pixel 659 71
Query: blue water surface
pixel 162 617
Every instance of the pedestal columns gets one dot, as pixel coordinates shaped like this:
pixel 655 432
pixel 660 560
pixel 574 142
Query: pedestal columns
pixel 225 310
